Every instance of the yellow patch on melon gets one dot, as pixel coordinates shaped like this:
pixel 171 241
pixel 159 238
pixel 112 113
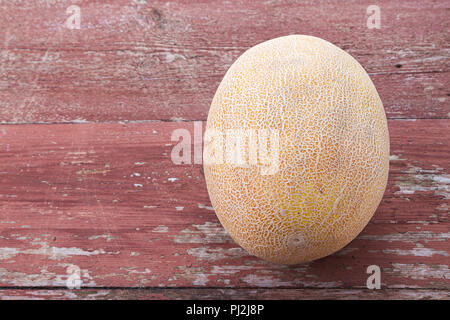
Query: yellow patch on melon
pixel 333 150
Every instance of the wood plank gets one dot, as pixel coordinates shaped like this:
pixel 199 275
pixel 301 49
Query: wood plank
pixel 163 61
pixel 195 254
pixel 220 294
pixel 108 199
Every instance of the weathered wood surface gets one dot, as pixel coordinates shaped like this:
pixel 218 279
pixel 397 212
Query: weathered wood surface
pixel 157 60
pixel 220 294
pixel 108 199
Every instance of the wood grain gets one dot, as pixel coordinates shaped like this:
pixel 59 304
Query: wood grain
pixel 152 60
pixel 86 177
pixel 108 199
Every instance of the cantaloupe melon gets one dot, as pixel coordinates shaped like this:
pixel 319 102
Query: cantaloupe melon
pixel 309 138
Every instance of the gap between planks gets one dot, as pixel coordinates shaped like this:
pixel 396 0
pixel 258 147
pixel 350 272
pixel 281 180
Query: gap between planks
pixel 159 121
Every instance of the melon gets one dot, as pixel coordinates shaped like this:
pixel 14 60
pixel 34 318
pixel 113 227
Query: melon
pixel 296 149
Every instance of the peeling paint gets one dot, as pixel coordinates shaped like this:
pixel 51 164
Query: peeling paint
pixel 272 281
pixel 411 237
pixel 170 57
pixel 43 278
pixel 418 252
pixel 161 229
pixel 53 253
pixel 209 232
pixel 427 180
pixel 214 254
pixel 195 275
pixel 230 270
pixel 108 237
pixel 395 157
pixel 421 271
pixel 202 206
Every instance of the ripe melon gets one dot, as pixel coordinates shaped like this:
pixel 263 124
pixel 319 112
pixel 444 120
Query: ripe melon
pixel 311 189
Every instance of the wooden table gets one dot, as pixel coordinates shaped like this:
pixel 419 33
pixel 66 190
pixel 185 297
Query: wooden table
pixel 88 190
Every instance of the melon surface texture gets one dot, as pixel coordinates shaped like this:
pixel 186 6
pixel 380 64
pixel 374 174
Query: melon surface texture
pixel 296 153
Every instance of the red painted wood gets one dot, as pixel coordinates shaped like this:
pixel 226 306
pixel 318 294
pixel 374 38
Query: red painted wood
pixel 108 199
pixel 219 294
pixel 157 60
pixel 105 197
